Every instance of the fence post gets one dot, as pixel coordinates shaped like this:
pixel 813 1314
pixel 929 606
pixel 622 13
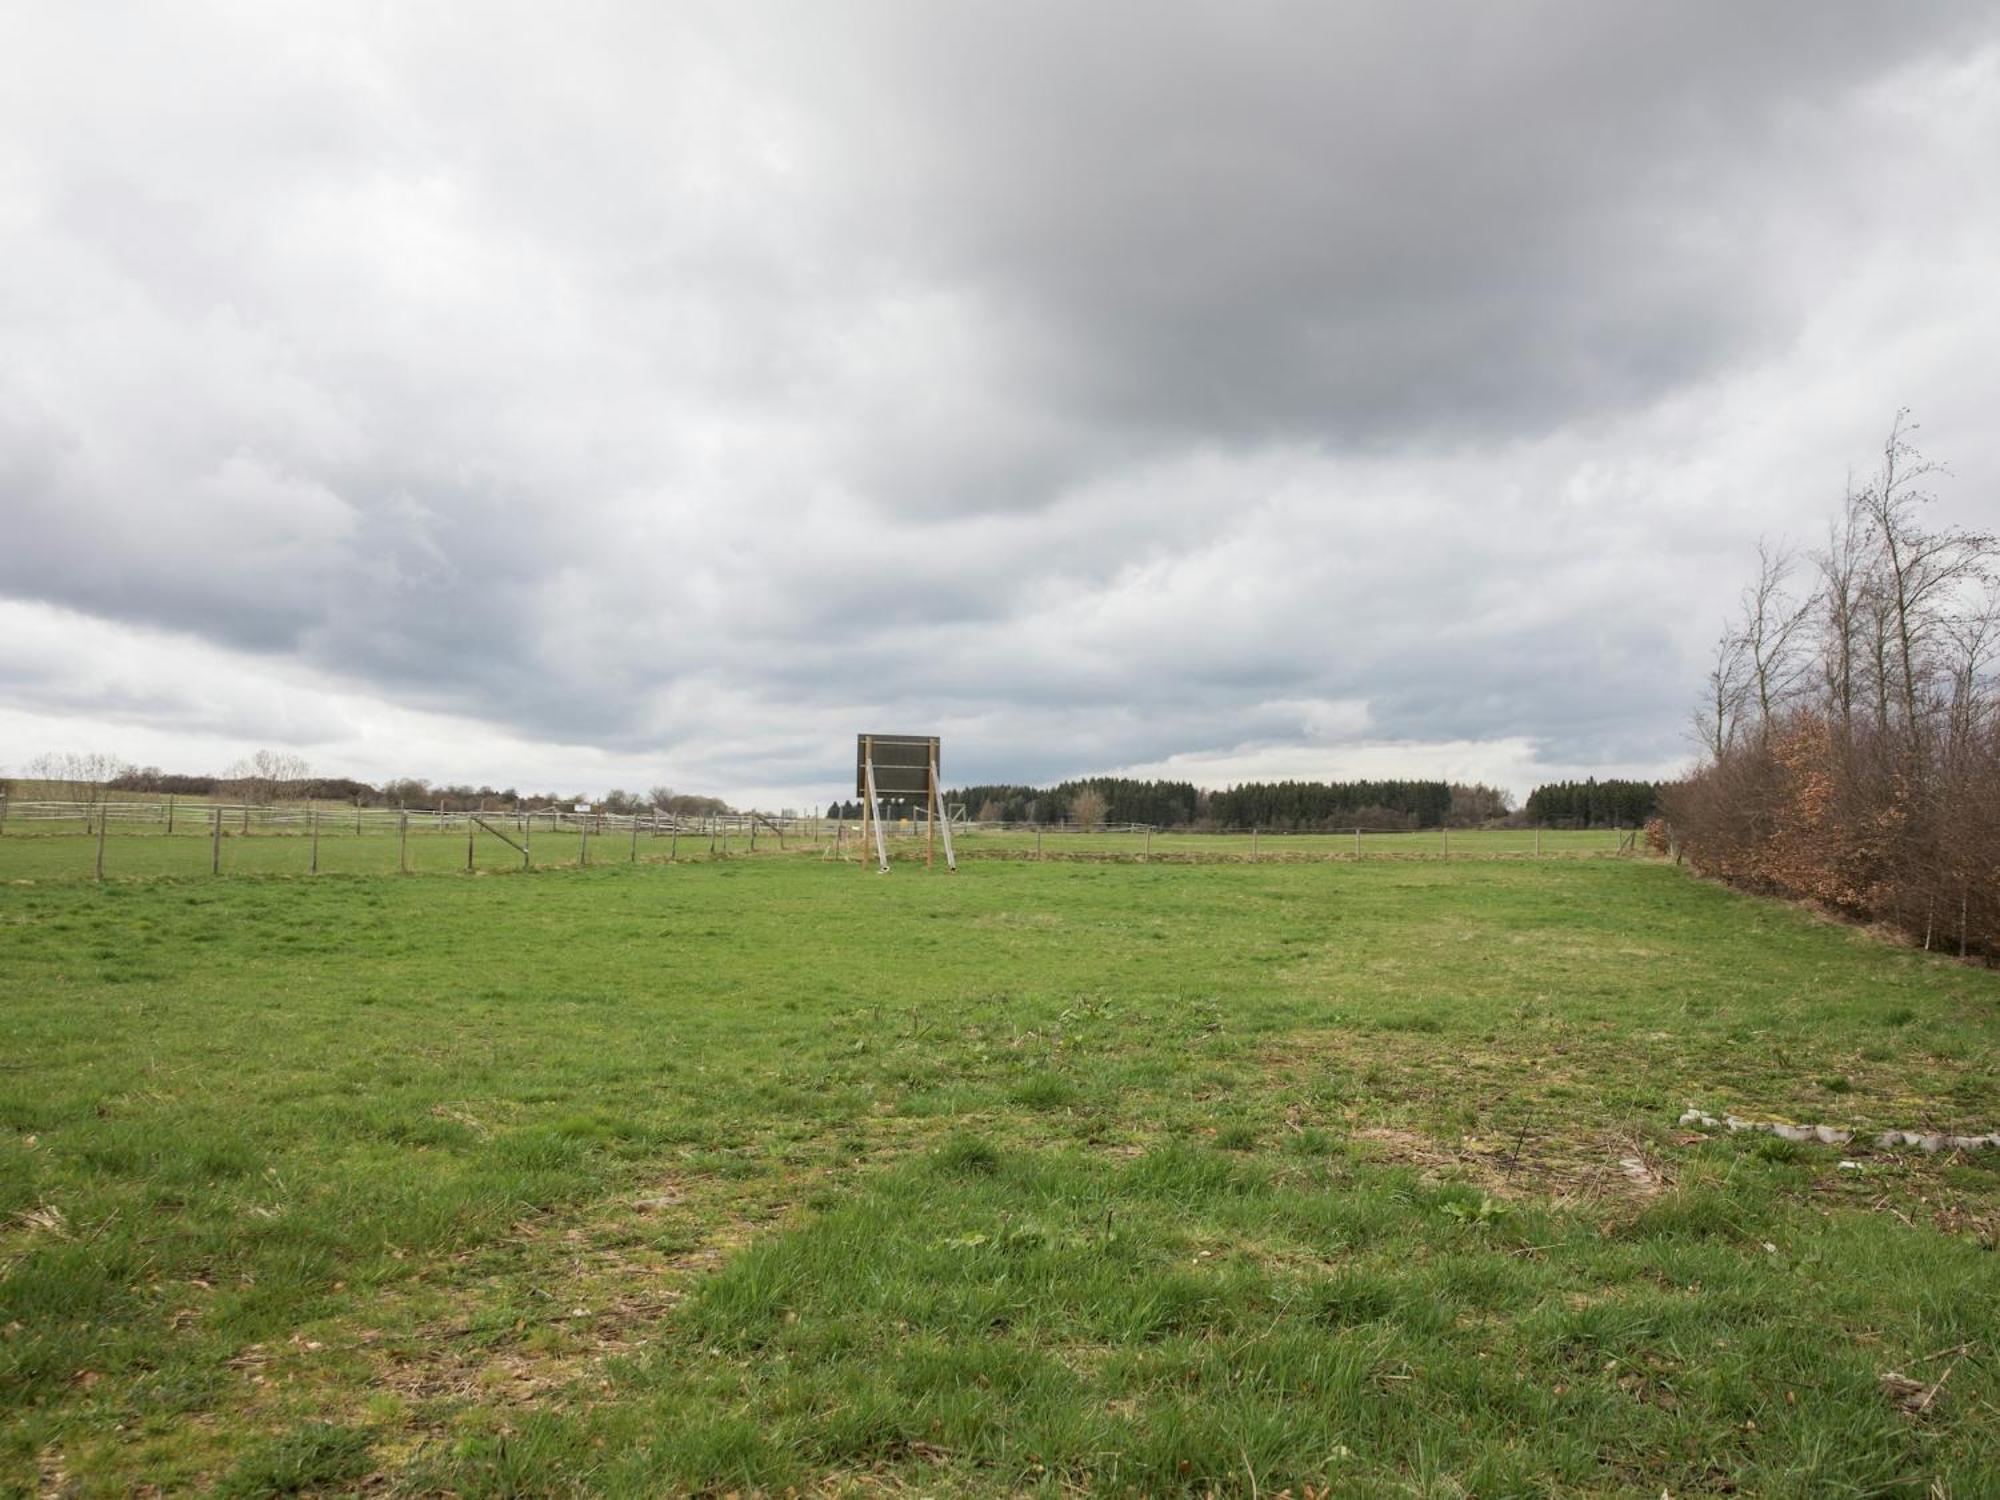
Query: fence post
pixel 1444 841
pixel 1149 841
pixel 170 814
pixel 528 842
pixel 674 841
pixel 101 821
pixel 753 833
pixel 215 844
pixel 313 816
pixel 635 841
pixel 471 832
pixel 403 842
pixel 357 817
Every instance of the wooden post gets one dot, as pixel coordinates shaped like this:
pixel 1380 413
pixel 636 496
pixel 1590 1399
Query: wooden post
pixel 753 832
pixel 930 815
pixel 170 813
pixel 246 817
pixel 950 854
pixel 865 809
pixel 313 816
pixel 215 844
pixel 873 808
pixel 635 841
pixel 674 841
pixel 583 849
pixel 528 842
pixel 101 821
pixel 357 816
pixel 471 831
pixel 839 839
pixel 403 842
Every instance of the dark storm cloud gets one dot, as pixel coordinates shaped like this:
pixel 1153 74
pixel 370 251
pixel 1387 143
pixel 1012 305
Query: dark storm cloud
pixel 1112 382
pixel 1354 224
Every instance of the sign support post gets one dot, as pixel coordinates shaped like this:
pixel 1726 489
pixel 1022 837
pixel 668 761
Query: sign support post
pixel 938 811
pixel 871 810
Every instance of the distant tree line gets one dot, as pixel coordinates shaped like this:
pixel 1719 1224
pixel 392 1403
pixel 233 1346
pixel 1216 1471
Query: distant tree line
pixel 1279 806
pixel 274 776
pixel 1851 721
pixel 1101 799
pixel 1592 804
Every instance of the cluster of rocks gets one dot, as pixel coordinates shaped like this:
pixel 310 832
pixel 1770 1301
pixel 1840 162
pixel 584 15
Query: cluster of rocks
pixel 1834 1135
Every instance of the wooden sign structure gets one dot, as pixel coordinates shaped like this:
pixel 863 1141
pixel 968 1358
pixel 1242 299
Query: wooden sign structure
pixel 901 765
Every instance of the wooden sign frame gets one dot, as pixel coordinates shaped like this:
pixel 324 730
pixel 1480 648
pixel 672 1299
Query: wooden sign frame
pixel 868 784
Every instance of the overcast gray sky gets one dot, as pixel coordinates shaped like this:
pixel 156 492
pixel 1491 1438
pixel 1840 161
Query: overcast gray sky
pixel 623 395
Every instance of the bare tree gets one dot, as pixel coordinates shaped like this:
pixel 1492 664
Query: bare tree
pixel 1087 808
pixel 1974 646
pixel 1773 623
pixel 1719 718
pixel 1843 573
pixel 268 775
pixel 1922 568
pixel 1476 804
pixel 79 775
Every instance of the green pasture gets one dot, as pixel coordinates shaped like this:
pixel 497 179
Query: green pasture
pixel 771 1176
pixel 1467 843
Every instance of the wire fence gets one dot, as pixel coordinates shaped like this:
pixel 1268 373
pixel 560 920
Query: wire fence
pixel 172 814
pixel 129 838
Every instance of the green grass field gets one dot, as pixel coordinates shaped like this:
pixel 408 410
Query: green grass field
pixel 771 1176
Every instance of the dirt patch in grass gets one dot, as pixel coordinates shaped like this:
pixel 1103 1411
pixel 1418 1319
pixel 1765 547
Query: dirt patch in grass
pixel 1567 1174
